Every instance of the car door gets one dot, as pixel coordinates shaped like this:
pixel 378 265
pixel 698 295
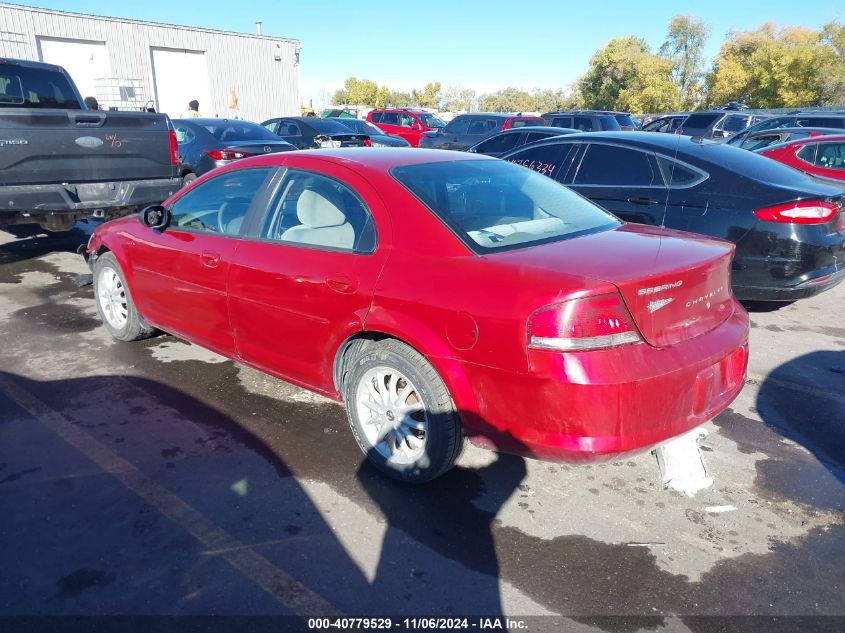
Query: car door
pixel 292 132
pixel 825 159
pixel 306 282
pixel 409 128
pixel 180 273
pixel 390 124
pixel 625 181
pixel 478 129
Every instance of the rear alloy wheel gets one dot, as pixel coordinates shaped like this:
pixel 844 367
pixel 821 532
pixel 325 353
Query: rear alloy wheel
pixel 401 413
pixel 188 178
pixel 114 303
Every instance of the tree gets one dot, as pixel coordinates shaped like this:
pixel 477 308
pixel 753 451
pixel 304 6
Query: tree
pixel 400 99
pixel 555 100
pixel 684 48
pixel 456 98
pixel 429 96
pixel 508 100
pixel 833 35
pixel 626 75
pixel 777 67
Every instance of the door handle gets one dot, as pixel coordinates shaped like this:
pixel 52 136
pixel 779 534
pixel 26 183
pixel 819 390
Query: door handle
pixel 210 259
pixel 644 201
pixel 343 285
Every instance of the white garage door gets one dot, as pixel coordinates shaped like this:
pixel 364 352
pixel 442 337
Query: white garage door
pixel 180 77
pixel 86 61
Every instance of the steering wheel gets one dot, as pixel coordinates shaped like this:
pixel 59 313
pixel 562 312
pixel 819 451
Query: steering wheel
pixel 229 211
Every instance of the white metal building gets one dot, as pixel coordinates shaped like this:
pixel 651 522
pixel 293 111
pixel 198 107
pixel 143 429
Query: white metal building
pixel 128 63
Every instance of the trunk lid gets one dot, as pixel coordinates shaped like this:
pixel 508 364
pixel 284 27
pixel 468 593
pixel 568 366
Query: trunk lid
pixel 342 140
pixel 676 285
pixel 256 148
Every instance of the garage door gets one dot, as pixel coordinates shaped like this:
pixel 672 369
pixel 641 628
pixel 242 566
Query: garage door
pixel 85 60
pixel 180 77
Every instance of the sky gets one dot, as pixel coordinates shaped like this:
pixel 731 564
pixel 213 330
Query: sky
pixel 484 45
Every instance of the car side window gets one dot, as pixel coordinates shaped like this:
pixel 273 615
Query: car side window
pixel 271 125
pixel 831 155
pixel 184 134
pixel 376 117
pixel 219 205
pixel 390 118
pixel 406 120
pixel 481 126
pixel 500 143
pixel 583 123
pixel 609 165
pixel 289 128
pixel 677 174
pixel 561 121
pixel 545 159
pixel 458 125
pixel 315 210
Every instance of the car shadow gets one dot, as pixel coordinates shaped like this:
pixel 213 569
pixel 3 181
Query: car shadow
pixel 804 400
pixel 31 241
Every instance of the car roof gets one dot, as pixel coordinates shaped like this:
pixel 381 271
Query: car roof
pixel 810 140
pixel 499 115
pixel 790 130
pixel 536 128
pixel 373 158
pixel 212 121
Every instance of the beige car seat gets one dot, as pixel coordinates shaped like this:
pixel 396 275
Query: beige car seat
pixel 322 223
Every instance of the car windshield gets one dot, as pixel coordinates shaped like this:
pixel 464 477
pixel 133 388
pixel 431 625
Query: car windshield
pixel 429 120
pixel 360 126
pixel 239 131
pixel 493 205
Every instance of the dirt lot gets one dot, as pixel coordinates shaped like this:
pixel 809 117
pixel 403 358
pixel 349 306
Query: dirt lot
pixel 158 478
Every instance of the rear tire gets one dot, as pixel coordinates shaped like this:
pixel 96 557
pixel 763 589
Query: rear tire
pixel 114 302
pixel 188 178
pixel 401 413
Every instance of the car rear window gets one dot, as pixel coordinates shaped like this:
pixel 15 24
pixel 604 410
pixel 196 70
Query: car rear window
pixel 512 123
pixel 239 131
pixel 700 121
pixel 25 87
pixel 327 126
pixel 495 205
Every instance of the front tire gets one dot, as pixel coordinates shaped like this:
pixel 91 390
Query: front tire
pixel 114 303
pixel 401 413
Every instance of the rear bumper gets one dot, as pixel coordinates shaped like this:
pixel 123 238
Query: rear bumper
pixel 85 198
pixel 818 283
pixel 604 404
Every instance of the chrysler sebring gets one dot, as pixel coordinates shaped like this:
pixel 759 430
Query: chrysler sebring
pixel 440 296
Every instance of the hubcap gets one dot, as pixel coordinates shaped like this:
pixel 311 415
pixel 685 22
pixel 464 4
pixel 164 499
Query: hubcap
pixel 393 414
pixel 112 297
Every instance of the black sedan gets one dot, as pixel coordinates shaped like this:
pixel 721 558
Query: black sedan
pixel 315 133
pixel 377 136
pixel 509 140
pixel 789 229
pixel 208 143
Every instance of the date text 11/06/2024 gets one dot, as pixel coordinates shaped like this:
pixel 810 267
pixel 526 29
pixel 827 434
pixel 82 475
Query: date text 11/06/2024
pixel 412 624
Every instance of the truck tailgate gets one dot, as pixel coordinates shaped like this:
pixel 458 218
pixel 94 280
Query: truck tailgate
pixel 40 146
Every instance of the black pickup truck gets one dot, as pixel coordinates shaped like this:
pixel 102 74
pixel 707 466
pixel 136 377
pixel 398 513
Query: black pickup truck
pixel 61 162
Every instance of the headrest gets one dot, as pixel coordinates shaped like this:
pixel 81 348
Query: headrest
pixel 316 212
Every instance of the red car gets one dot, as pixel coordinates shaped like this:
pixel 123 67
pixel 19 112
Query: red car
pixel 406 123
pixel 817 155
pixel 440 295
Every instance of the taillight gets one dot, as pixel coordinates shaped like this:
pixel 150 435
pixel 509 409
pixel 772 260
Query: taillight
pixel 583 324
pixel 225 154
pixel 368 142
pixel 174 148
pixel 804 212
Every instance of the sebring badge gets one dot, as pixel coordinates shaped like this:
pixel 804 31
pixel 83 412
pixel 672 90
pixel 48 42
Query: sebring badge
pixel 654 306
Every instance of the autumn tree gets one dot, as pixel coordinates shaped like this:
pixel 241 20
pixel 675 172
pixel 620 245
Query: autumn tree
pixel 508 100
pixel 428 97
pixel 777 67
pixel 357 91
pixel 626 75
pixel 456 98
pixel 684 48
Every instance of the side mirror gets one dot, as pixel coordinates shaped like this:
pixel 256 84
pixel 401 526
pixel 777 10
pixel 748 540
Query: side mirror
pixel 155 216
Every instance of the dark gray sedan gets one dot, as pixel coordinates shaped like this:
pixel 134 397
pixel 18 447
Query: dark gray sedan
pixel 509 140
pixel 208 143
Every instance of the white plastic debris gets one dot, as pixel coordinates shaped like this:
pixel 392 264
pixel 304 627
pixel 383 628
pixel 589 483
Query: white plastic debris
pixel 719 509
pixel 682 464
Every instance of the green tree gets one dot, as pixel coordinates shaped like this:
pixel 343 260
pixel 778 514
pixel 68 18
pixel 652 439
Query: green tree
pixel 833 35
pixel 777 67
pixel 400 99
pixel 555 100
pixel 684 48
pixel 508 100
pixel 626 75
pixel 429 96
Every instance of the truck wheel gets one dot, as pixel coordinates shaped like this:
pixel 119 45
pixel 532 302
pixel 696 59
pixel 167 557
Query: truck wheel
pixel 401 413
pixel 114 303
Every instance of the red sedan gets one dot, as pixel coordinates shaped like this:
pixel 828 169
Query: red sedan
pixel 441 296
pixel 817 155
